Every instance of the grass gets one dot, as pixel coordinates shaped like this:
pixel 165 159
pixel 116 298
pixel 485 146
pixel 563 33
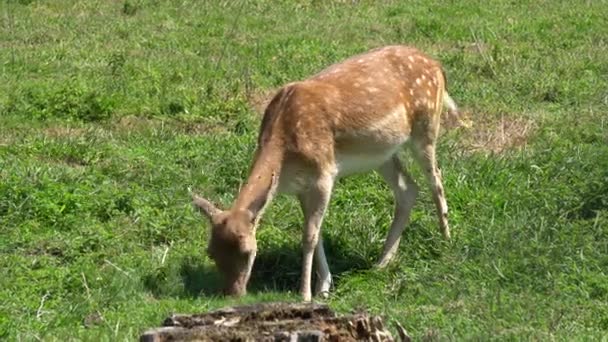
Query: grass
pixel 110 110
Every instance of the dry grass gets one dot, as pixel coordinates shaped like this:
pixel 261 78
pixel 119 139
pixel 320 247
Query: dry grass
pixel 63 131
pixel 487 133
pixel 14 135
pixel 258 100
pixel 136 123
pixel 7 139
pixel 139 124
pixel 201 128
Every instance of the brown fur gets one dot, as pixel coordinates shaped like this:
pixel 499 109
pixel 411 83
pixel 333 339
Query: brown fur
pixel 351 117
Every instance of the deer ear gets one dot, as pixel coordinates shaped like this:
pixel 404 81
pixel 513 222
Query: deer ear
pixel 258 204
pixel 205 206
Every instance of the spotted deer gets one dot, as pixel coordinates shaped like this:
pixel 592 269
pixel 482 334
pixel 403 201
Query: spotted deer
pixel 350 118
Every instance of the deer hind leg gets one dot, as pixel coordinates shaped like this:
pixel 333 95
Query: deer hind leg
pixel 405 190
pixel 424 150
pixel 314 202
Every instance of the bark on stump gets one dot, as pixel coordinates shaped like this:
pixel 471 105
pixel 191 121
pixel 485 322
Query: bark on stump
pixel 271 322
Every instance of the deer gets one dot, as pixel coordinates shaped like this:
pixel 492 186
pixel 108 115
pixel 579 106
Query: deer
pixel 352 117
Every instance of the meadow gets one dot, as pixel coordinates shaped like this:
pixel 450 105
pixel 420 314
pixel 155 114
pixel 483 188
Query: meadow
pixel 111 110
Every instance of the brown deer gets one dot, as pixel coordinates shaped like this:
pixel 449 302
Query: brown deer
pixel 351 117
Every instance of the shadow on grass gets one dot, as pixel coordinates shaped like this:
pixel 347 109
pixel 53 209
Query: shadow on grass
pixel 276 269
pixel 200 279
pixel 192 277
pixel 279 269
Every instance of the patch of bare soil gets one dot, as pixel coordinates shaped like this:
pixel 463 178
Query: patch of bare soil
pixel 490 133
pixel 271 322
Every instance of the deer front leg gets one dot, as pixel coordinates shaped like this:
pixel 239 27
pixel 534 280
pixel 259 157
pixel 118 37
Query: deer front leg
pixel 314 203
pixel 324 280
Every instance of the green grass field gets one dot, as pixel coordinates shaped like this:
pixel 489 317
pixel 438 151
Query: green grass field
pixel 110 110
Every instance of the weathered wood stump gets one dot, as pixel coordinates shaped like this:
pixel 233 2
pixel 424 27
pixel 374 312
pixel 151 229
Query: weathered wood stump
pixel 271 322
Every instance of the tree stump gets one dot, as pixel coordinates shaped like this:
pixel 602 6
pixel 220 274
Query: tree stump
pixel 271 322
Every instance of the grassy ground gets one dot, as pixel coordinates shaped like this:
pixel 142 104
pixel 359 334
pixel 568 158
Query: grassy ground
pixel 109 110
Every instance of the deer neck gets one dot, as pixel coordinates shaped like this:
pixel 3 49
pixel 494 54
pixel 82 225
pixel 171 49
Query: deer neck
pixel 262 182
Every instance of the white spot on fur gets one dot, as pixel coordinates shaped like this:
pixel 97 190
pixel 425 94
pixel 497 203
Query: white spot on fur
pixel 418 81
pixel 410 58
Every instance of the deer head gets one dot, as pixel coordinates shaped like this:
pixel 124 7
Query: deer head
pixel 232 244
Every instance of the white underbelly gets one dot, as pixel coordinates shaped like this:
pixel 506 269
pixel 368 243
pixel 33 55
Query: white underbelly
pixel 351 163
